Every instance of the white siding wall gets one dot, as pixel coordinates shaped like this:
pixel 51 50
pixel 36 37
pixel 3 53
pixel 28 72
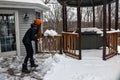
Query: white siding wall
pixel 24 25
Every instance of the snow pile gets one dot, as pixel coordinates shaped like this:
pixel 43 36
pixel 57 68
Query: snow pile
pixel 50 33
pixel 98 31
pixel 118 49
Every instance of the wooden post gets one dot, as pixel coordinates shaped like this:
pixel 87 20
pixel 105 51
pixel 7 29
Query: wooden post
pixel 61 44
pixel 109 18
pixel 93 16
pixel 79 26
pixel 39 35
pixel 64 10
pixel 64 16
pixel 104 29
pixel 116 15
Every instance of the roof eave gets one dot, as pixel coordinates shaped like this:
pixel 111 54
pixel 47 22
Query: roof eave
pixel 7 4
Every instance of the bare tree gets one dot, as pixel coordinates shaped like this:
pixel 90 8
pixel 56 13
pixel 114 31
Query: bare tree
pixel 87 17
pixel 54 16
pixel 71 18
pixel 98 16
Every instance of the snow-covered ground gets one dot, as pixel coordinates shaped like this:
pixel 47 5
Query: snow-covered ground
pixel 62 67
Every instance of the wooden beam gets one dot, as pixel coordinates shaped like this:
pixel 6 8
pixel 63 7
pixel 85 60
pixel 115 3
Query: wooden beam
pixel 64 13
pixel 93 16
pixel 104 29
pixel 79 25
pixel 109 18
pixel 116 15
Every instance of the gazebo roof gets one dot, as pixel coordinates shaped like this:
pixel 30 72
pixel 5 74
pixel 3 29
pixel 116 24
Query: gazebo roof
pixel 85 3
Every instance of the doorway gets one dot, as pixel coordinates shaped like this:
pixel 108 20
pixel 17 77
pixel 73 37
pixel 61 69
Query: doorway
pixel 7 34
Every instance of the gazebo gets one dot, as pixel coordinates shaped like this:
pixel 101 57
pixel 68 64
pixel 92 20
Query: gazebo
pixel 109 38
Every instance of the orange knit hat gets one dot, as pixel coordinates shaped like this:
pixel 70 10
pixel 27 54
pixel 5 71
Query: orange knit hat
pixel 37 22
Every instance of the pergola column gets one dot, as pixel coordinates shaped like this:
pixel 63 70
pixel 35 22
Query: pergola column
pixel 93 16
pixel 104 29
pixel 64 10
pixel 79 25
pixel 116 15
pixel 109 17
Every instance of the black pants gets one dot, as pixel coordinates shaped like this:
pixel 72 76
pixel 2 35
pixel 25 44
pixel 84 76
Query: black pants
pixel 29 51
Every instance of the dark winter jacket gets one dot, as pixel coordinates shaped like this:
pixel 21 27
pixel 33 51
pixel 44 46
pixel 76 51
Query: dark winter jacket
pixel 30 34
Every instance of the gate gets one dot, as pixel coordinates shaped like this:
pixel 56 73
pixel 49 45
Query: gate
pixel 69 44
pixel 112 41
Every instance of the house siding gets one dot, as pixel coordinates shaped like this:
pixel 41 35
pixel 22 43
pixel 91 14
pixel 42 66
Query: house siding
pixel 23 25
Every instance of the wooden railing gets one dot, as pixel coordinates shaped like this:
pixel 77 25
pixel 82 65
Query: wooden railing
pixel 50 44
pixel 112 41
pixel 69 44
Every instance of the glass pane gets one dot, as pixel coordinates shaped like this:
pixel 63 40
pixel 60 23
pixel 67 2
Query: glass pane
pixel 7 32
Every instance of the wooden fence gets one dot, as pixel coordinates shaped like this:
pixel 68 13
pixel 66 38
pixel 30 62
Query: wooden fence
pixel 112 43
pixel 50 44
pixel 69 44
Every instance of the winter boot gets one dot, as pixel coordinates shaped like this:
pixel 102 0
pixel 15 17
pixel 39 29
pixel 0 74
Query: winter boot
pixel 32 63
pixel 25 69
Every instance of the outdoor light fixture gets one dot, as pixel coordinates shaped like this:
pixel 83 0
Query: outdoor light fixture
pixel 26 17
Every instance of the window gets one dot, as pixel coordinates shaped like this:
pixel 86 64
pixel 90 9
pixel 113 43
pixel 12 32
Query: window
pixel 7 32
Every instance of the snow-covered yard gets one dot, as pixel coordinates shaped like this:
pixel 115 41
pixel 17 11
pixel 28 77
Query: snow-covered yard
pixel 62 67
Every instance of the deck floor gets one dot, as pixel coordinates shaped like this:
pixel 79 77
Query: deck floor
pixel 91 54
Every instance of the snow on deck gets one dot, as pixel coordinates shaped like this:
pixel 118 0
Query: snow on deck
pixel 91 67
pixel 63 67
